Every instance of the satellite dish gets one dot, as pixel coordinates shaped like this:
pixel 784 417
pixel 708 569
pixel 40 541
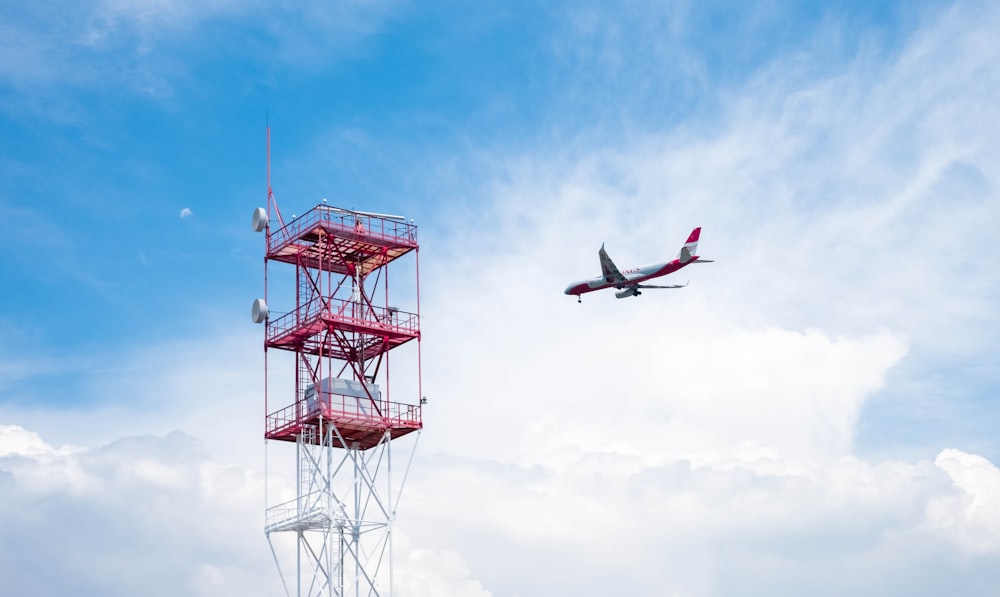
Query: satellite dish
pixel 259 219
pixel 258 312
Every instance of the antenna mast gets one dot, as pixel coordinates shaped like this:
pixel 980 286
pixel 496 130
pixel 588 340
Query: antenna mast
pixel 270 193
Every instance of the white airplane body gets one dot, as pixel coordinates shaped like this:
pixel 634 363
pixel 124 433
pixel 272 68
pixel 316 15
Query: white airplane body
pixel 630 281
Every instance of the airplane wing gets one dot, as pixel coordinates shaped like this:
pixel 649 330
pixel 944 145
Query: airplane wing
pixel 667 286
pixel 609 269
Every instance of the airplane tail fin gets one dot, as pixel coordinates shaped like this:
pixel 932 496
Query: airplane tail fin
pixel 690 246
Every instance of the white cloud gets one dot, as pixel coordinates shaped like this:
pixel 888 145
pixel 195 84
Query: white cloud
pixel 186 212
pixel 971 516
pixel 159 510
pixel 139 515
pixel 135 42
pixel 604 522
pixel 14 439
pixel 427 573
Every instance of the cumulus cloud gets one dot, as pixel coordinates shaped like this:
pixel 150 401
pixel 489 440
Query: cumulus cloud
pixel 424 572
pixel 186 212
pixel 690 529
pixel 157 514
pixel 970 516
pixel 14 439
pixel 151 515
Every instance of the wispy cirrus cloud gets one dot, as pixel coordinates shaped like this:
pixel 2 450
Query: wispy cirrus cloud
pixel 140 44
pixel 848 209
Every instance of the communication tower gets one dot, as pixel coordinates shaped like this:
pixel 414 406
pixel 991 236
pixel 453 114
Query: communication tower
pixel 339 416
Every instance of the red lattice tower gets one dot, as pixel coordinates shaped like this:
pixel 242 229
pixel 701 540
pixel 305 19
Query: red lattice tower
pixel 340 416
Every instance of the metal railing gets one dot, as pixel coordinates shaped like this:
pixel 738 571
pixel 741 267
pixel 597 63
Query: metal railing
pixel 304 510
pixel 303 315
pixel 374 316
pixel 347 311
pixel 381 414
pixel 332 218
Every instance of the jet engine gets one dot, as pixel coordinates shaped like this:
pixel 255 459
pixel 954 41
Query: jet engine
pixel 626 292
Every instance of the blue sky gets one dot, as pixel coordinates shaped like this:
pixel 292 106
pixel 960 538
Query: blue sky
pixel 829 382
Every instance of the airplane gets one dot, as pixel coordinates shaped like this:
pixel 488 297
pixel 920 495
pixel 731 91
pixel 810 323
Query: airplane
pixel 629 282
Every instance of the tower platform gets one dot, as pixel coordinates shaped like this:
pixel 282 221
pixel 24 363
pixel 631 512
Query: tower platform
pixel 360 422
pixel 310 328
pixel 335 240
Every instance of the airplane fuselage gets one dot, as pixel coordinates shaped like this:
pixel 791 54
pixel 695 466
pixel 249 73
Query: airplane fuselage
pixel 633 276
